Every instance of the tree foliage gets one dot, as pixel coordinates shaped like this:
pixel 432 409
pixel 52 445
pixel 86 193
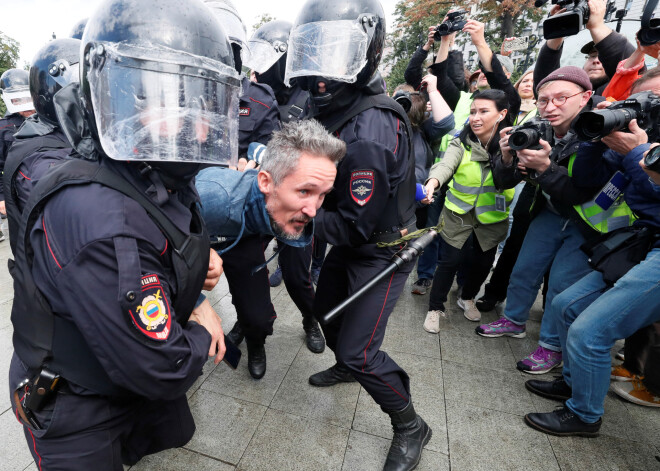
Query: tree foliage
pixel 9 52
pixel 262 20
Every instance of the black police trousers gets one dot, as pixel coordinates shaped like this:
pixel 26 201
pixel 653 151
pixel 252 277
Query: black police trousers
pixel 356 336
pixel 250 290
pixel 82 433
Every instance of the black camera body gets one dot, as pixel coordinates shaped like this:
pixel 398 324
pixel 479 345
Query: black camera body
pixel 455 22
pixel 652 159
pixel 573 20
pixel 528 134
pixel 644 107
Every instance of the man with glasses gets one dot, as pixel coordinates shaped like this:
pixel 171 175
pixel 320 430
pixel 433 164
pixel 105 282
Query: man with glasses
pixel 556 233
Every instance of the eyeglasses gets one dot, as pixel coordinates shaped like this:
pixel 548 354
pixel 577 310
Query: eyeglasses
pixel 557 101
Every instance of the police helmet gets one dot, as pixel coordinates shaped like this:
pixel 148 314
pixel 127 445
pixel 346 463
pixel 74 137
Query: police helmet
pixel 231 21
pixel 15 89
pixel 339 41
pixel 268 47
pixel 158 83
pixel 53 67
pixel 78 29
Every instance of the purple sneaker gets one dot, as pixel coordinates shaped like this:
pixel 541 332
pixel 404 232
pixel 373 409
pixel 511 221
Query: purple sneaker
pixel 500 328
pixel 540 361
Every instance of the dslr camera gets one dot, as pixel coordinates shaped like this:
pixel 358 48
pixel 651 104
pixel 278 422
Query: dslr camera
pixel 573 20
pixel 528 134
pixel 644 107
pixel 455 22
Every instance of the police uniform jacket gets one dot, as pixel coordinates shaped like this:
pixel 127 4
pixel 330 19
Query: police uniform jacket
pixel 8 127
pixel 258 115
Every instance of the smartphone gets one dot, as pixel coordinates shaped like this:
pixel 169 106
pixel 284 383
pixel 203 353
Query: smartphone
pixel 517 44
pixel 232 354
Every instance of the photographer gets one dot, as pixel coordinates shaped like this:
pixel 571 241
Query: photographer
pixel 595 312
pixel 603 54
pixel 556 232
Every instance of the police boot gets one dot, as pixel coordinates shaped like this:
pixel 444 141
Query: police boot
pixel 411 433
pixel 236 334
pixel 256 359
pixel 333 375
pixel 315 340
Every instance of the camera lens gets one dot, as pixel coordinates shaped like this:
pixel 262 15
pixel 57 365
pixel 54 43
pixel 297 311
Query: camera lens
pixel 523 139
pixel 594 125
pixel 652 159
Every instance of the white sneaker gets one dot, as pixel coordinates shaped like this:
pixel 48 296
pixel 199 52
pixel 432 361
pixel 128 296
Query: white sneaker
pixel 432 321
pixel 470 310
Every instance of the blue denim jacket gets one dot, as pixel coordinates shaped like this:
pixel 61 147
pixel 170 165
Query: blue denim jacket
pixel 233 206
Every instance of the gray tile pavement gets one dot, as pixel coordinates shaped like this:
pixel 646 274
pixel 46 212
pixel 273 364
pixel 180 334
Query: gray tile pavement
pixel 465 386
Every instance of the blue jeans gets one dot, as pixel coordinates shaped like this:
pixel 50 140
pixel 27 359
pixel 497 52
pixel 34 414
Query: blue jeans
pixel 429 258
pixel 590 318
pixel 551 242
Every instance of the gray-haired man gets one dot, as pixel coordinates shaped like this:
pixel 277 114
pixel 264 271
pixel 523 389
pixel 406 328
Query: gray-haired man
pixel 244 210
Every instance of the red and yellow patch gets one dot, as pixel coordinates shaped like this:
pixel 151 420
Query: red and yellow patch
pixel 152 317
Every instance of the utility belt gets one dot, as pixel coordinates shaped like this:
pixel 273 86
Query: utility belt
pixel 393 234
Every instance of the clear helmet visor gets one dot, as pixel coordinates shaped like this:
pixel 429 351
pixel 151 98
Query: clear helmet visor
pixel 17 99
pixel 64 73
pixel 162 105
pixel 335 50
pixel 264 54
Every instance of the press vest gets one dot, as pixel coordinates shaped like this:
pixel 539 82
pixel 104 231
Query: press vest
pixel 461 115
pixel 467 191
pixel 618 216
pixel 527 117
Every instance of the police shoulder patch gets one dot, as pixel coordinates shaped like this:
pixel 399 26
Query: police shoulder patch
pixel 244 111
pixel 152 316
pixel 362 186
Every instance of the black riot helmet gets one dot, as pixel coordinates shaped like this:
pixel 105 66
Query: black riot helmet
pixel 268 46
pixel 339 43
pixel 15 89
pixel 53 67
pixel 78 29
pixel 158 84
pixel 228 16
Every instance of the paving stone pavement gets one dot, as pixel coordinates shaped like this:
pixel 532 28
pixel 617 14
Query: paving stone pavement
pixel 465 386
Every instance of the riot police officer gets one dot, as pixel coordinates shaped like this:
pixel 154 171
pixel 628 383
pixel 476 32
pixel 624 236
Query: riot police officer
pixel 40 143
pixel 112 253
pixel 15 89
pixel 334 50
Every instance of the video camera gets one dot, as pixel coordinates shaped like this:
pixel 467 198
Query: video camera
pixel 455 22
pixel 573 20
pixel 644 107
pixel 649 34
pixel 528 134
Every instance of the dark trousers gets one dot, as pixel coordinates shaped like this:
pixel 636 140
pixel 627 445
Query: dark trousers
pixel 449 260
pixel 295 264
pixel 318 254
pixel 250 291
pixel 356 336
pixel 82 433
pixel 642 353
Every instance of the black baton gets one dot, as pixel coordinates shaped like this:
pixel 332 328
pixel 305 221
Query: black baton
pixel 410 252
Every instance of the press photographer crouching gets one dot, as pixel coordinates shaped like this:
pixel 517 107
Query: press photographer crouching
pixel 621 294
pixel 557 231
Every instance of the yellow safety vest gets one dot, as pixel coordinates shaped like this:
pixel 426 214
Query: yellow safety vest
pixel 468 191
pixel 619 215
pixel 461 115
pixel 532 114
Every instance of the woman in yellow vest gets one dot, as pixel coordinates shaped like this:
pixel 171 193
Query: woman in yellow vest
pixel 473 206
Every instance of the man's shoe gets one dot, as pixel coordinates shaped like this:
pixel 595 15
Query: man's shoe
pixel 620 373
pixel 556 389
pixel 621 354
pixel 432 321
pixel 315 276
pixel 470 311
pixel 635 391
pixel 562 422
pixel 411 433
pixel 540 361
pixel 276 278
pixel 421 286
pixel 236 334
pixel 334 375
pixel 485 304
pixel 256 360
pixel 314 337
pixel 502 327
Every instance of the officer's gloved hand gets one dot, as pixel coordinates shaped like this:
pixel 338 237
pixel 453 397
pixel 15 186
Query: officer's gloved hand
pixel 214 272
pixel 206 316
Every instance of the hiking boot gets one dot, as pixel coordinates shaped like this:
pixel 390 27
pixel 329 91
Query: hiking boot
pixel 432 321
pixel 540 361
pixel 314 337
pixel 556 389
pixel 635 391
pixel 502 327
pixel 421 286
pixel 236 334
pixel 470 311
pixel 276 278
pixel 334 375
pixel 411 433
pixel 620 373
pixel 562 422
